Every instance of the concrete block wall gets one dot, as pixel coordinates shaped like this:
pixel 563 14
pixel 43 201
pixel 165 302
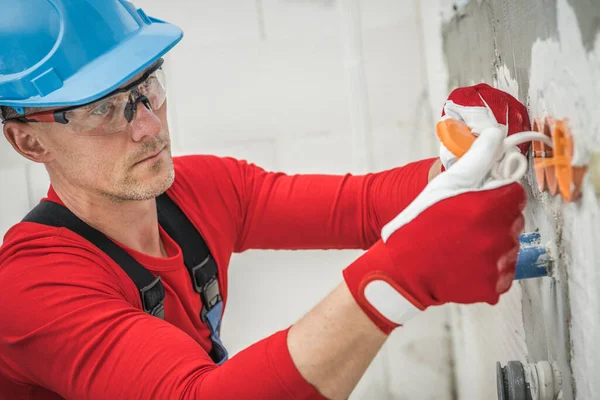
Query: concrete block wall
pixel 545 53
pixel 308 87
pixel 24 182
pixel 320 86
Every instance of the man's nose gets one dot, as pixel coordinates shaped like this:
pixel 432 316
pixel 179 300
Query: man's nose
pixel 145 122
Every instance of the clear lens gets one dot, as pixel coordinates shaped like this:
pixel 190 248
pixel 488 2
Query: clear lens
pixel 107 116
pixel 154 89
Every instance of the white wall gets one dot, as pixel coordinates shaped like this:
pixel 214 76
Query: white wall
pixel 565 84
pixel 308 87
pixel 319 86
pixel 556 318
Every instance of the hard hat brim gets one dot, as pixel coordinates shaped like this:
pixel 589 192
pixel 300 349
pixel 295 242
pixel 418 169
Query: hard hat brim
pixel 110 71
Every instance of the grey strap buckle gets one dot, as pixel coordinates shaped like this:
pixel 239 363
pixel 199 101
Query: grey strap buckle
pixel 153 298
pixel 211 296
pixel 199 286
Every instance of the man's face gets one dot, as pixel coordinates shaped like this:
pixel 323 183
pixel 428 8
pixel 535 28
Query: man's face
pixel 134 164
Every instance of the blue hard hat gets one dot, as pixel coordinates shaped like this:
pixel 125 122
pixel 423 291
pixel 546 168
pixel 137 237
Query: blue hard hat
pixel 71 52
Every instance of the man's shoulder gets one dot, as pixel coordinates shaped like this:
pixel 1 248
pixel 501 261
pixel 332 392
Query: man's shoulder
pixel 32 234
pixel 204 165
pixel 39 261
pixel 207 175
pixel 29 246
pixel 212 191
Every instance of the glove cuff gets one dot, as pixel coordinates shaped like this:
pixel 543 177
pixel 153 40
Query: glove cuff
pixel 377 294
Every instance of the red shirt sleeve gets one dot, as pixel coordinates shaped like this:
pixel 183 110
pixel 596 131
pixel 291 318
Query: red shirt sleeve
pixel 53 289
pixel 114 350
pixel 278 211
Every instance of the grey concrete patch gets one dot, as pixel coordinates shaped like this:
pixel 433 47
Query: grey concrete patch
pixel 545 301
pixel 588 18
pixel 481 37
pixel 491 33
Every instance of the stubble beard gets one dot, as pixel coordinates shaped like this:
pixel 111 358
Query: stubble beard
pixel 132 188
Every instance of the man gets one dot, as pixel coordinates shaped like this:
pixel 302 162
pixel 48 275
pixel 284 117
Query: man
pixel 81 92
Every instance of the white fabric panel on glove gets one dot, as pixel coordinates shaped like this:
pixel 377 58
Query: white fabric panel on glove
pixel 472 172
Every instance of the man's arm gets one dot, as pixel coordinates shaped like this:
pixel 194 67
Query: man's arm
pixel 333 345
pixel 268 210
pixel 325 211
pixel 73 333
pixel 257 209
pixel 435 170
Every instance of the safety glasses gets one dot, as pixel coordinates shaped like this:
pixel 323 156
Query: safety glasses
pixel 112 113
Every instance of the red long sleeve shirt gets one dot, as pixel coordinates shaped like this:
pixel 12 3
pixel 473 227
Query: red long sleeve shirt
pixel 71 324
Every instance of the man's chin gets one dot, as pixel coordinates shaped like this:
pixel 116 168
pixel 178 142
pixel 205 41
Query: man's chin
pixel 145 188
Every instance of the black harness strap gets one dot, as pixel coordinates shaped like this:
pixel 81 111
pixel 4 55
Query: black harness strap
pixel 196 255
pixel 199 262
pixel 152 292
pixel 201 267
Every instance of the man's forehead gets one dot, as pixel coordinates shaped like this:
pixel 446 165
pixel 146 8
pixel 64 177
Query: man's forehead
pixel 129 82
pixel 136 77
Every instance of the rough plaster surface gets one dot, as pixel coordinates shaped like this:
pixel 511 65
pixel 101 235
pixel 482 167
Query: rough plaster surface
pixel 546 53
pixel 588 21
pixel 485 35
pixel 564 84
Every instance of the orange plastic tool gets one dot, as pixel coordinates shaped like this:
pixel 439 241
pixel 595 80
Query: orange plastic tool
pixel 457 137
pixel 543 158
pixel 569 177
pixel 550 168
pixel 553 169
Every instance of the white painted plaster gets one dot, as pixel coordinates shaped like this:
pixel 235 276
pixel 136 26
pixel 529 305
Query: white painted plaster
pixel 536 320
pixel 565 83
pixel 505 81
pixel 264 80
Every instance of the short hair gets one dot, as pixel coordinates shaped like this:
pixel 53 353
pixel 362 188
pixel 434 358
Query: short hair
pixel 7 112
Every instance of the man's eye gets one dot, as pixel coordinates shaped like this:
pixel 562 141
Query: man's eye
pixel 102 109
pixel 148 82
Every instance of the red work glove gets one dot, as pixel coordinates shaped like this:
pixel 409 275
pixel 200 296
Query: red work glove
pixel 466 105
pixel 456 242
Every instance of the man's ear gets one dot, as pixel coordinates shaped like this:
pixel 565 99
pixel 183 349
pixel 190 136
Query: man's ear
pixel 25 140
